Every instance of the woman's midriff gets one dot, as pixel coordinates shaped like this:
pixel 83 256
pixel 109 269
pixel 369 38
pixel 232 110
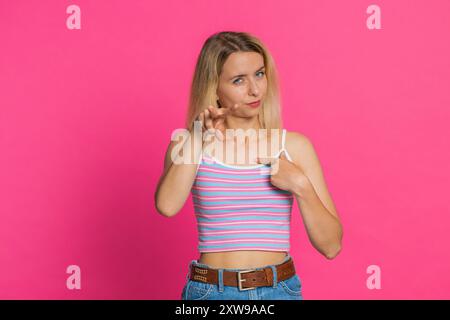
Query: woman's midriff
pixel 241 259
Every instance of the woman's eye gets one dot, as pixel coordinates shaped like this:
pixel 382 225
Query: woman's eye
pixel 261 72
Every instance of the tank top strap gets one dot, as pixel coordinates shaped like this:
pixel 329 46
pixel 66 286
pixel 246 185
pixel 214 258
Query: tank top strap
pixel 283 146
pixel 283 139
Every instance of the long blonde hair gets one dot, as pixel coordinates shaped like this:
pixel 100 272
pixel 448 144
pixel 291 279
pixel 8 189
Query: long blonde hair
pixel 205 81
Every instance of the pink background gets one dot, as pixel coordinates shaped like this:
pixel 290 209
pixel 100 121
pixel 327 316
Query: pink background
pixel 86 115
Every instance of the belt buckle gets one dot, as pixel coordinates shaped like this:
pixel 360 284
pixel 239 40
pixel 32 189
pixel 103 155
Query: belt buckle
pixel 240 280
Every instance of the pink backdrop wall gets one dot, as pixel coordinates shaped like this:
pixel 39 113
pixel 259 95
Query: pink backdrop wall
pixel 86 115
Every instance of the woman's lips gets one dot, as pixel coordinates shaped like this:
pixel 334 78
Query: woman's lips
pixel 254 104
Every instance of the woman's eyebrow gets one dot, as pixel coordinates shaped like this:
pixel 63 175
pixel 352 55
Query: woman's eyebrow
pixel 243 75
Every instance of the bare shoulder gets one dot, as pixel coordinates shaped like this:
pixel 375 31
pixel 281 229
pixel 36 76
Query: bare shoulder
pixel 296 138
pixel 299 147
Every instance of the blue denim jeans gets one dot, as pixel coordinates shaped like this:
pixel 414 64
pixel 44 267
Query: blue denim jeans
pixel 289 289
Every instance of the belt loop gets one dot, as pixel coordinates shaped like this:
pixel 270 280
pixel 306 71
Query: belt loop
pixel 220 279
pixel 190 270
pixel 275 276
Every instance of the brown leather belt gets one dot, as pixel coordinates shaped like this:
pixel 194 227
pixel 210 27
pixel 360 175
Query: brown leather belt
pixel 244 279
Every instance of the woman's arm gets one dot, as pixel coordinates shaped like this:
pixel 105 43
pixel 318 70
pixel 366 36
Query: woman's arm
pixel 315 203
pixel 177 179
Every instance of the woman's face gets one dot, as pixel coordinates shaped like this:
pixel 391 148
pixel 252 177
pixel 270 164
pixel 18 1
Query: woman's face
pixel 243 80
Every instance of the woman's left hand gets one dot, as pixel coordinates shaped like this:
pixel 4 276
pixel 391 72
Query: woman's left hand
pixel 285 174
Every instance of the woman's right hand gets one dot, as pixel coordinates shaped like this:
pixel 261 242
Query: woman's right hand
pixel 213 120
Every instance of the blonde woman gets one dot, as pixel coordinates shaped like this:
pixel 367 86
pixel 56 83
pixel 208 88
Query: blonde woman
pixel 243 210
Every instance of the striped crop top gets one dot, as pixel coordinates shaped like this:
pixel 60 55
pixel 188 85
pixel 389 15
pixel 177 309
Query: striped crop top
pixel 237 208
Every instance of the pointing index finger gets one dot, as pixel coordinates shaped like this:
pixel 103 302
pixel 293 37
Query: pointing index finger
pixel 220 112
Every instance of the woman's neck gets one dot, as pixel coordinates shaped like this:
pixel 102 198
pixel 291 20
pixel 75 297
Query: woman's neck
pixel 242 123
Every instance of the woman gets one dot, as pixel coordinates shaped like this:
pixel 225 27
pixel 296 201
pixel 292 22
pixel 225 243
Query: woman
pixel 243 211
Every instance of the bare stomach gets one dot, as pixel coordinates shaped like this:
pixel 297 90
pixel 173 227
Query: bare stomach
pixel 241 259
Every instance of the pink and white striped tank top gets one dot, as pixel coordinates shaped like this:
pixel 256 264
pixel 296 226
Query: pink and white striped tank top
pixel 237 208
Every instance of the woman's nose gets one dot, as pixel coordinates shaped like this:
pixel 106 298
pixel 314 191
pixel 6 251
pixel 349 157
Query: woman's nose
pixel 254 90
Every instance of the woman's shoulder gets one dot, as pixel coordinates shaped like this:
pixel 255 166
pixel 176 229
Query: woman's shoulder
pixel 296 139
pixel 298 145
